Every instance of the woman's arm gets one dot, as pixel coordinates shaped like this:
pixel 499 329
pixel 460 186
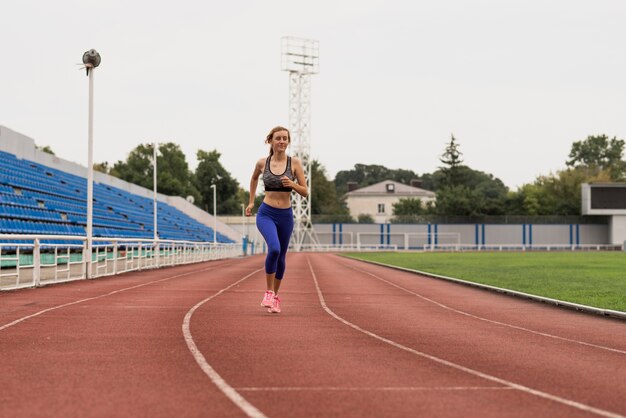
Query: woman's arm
pixel 254 181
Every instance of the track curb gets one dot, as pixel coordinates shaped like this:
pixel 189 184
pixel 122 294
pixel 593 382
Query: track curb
pixel 560 303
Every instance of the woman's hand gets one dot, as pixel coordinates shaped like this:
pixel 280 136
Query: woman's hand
pixel 249 209
pixel 287 182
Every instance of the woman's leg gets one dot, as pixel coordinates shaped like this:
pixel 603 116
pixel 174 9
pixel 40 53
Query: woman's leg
pixel 276 226
pixel 284 230
pixel 275 285
pixel 269 280
pixel 268 229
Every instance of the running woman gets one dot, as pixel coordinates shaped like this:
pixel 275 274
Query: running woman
pixel 281 175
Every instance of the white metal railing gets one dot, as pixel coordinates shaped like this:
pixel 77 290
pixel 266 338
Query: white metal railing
pixel 339 238
pixel 521 247
pixel 348 247
pixel 35 260
pixel 371 241
pixel 409 240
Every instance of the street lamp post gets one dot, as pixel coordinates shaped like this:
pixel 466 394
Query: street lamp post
pixel 91 59
pixel 154 187
pixel 214 215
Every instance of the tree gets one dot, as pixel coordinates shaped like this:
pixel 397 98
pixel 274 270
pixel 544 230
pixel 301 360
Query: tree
pixel 451 159
pixel 137 168
pixel 409 210
pixel 599 153
pixel 595 159
pixel 45 149
pixel 403 176
pixel 492 190
pixel 553 194
pixel 463 191
pixel 173 175
pixel 365 218
pixel 407 207
pixel 433 181
pixel 210 171
pixel 324 199
pixel 102 167
pixel 364 175
pixel 459 201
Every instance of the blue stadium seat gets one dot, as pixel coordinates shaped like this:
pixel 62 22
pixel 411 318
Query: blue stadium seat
pixel 49 195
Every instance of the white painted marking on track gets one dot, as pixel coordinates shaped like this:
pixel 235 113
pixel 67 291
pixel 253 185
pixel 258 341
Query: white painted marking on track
pixel 522 388
pixel 544 334
pixel 372 389
pixel 230 392
pixel 24 318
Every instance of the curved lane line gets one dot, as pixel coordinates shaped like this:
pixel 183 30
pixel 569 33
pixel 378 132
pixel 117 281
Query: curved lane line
pixel 17 321
pixel 374 389
pixel 473 372
pixel 230 392
pixel 544 334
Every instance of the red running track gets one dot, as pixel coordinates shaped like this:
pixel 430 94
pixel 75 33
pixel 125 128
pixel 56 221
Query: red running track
pixel 354 340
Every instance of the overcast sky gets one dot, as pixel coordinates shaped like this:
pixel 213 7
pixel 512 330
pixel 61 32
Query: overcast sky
pixel 516 82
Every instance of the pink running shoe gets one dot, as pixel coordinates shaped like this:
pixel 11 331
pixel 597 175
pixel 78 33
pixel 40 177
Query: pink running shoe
pixel 275 306
pixel 268 298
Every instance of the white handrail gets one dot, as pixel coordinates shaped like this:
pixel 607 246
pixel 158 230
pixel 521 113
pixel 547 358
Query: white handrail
pixel 66 260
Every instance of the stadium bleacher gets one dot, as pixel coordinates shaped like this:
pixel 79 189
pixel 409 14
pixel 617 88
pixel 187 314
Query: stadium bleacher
pixel 36 199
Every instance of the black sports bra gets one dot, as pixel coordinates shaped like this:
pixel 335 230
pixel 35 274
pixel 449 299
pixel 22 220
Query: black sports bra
pixel 272 181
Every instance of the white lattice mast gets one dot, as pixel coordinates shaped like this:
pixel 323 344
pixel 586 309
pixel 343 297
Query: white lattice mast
pixel 300 57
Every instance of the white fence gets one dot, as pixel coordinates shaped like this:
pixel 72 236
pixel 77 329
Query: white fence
pixel 442 241
pixel 35 260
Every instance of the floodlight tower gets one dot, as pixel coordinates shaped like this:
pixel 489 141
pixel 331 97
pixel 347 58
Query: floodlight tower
pixel 300 57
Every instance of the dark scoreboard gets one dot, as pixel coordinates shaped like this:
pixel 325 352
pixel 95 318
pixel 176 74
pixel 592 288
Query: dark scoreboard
pixel 607 197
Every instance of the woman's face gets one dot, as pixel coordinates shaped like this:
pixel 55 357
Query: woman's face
pixel 280 141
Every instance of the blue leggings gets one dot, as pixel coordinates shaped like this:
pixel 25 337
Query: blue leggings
pixel 276 226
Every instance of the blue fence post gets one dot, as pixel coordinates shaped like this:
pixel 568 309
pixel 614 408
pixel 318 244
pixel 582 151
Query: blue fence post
pixel 388 234
pixel 476 242
pixel 524 235
pixel 382 231
pixel 334 226
pixel 571 234
pixel 429 241
pixel 530 234
pixel 340 234
pixel 577 234
pixel 483 235
pixel 436 236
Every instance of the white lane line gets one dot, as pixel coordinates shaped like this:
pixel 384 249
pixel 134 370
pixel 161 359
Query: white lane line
pixel 371 389
pixel 544 334
pixel 230 392
pixel 24 318
pixel 473 372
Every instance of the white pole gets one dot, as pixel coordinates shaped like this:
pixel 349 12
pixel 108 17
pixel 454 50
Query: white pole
pixel 90 176
pixel 214 215
pixel 243 222
pixel 154 186
pixel 154 181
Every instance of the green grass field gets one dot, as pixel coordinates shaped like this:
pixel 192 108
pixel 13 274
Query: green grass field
pixel 594 278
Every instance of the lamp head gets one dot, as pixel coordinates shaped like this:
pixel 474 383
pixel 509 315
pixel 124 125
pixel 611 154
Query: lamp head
pixel 91 59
